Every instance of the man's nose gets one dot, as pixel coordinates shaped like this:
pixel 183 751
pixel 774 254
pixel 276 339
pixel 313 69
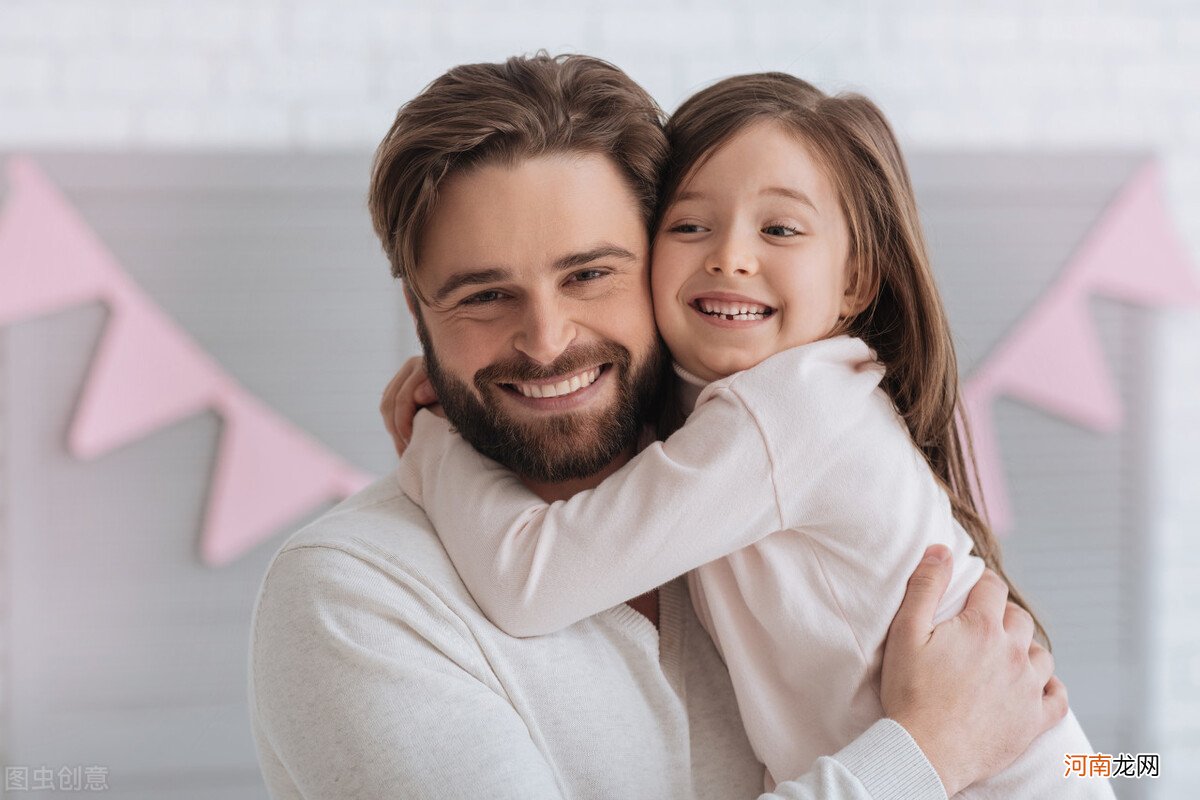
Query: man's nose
pixel 731 257
pixel 546 331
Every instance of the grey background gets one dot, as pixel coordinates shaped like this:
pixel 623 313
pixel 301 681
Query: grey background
pixel 123 650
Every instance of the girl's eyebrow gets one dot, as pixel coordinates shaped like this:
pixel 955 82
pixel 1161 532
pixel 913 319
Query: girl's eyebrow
pixel 793 194
pixel 776 191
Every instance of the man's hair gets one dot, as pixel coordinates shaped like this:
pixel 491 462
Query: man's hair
pixel 528 106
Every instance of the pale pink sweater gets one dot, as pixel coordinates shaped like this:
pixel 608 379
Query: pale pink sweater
pixel 794 495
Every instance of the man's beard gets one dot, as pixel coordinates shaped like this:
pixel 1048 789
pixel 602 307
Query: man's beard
pixel 563 446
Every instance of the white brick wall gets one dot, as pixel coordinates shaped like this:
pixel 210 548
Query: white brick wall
pixel 1020 73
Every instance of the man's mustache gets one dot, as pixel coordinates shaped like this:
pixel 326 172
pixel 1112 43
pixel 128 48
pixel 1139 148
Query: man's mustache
pixel 573 359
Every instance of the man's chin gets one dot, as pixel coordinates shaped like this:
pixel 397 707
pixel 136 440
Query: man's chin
pixel 557 447
pixel 554 444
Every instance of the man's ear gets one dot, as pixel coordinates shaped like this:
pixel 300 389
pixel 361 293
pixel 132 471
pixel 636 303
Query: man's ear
pixel 414 310
pixel 411 300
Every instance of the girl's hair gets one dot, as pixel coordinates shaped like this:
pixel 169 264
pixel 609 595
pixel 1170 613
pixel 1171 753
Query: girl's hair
pixel 905 323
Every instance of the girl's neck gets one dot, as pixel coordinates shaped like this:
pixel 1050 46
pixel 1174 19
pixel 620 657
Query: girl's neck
pixel 690 387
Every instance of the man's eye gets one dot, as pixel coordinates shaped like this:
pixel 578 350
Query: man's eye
pixel 479 298
pixel 589 274
pixel 686 227
pixel 780 230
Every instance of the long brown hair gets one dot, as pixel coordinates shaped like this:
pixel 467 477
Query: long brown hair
pixel 905 323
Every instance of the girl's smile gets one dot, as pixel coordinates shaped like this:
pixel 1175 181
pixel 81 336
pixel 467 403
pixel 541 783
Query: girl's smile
pixel 729 310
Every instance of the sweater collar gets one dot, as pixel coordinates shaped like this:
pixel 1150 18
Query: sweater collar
pixel 690 387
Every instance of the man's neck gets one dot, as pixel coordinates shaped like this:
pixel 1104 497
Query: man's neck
pixel 646 604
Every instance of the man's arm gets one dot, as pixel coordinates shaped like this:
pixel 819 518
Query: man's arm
pixel 975 690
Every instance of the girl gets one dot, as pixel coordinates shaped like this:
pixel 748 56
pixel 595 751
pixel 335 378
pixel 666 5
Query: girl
pixel 820 456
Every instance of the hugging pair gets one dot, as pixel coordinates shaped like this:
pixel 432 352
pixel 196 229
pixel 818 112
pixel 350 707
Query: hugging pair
pixel 807 457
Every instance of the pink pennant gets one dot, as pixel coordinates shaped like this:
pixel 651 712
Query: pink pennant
pixel 990 485
pixel 268 474
pixel 147 374
pixel 1053 361
pixel 49 258
pixel 1134 254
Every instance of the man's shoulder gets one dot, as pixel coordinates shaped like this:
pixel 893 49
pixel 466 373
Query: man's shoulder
pixel 376 546
pixel 379 525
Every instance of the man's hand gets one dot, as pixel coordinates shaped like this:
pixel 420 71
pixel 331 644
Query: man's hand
pixel 408 391
pixel 974 691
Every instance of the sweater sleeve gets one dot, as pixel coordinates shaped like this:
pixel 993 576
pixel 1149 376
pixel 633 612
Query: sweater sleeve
pixel 883 763
pixel 710 489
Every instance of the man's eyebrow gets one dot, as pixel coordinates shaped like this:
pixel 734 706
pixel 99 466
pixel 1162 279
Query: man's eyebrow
pixel 469 278
pixel 688 195
pixel 583 257
pixel 477 277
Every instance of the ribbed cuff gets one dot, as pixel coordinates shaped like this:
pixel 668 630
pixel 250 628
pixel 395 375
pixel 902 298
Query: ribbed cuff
pixel 890 764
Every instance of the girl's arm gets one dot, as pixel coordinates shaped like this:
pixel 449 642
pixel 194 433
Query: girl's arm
pixel 709 490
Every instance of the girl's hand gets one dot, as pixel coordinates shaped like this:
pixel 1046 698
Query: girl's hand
pixel 974 691
pixel 408 391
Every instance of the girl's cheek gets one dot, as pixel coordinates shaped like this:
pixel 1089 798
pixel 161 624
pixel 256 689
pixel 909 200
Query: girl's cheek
pixel 663 285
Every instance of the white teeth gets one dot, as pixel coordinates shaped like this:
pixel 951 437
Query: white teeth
pixel 743 311
pixel 563 387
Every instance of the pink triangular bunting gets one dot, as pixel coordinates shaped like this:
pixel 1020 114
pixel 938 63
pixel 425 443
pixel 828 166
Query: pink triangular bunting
pixel 989 476
pixel 49 258
pixel 1134 254
pixel 147 374
pixel 1053 361
pixel 268 474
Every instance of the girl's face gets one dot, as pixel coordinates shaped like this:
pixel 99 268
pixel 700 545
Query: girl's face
pixel 751 256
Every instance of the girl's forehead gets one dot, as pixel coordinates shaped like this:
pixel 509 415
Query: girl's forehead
pixel 762 156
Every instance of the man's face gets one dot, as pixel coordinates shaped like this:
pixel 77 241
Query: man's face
pixel 539 336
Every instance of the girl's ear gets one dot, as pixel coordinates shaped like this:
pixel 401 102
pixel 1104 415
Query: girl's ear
pixel 862 284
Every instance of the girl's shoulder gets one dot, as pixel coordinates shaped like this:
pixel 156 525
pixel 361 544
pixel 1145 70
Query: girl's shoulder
pixel 823 363
pixel 832 379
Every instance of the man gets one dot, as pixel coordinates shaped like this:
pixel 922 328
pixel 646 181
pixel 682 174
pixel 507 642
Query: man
pixel 514 201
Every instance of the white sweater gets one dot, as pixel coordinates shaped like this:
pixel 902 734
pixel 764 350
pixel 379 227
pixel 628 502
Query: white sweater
pixel 373 675
pixel 795 494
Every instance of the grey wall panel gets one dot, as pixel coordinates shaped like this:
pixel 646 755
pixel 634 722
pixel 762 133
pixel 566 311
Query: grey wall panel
pixel 123 650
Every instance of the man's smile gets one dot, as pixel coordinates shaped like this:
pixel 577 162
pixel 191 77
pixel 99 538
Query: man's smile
pixel 561 392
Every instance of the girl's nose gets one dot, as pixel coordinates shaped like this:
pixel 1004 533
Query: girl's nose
pixel 731 261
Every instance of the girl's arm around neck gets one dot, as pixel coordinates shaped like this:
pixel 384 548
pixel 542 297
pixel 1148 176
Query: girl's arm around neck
pixel 709 490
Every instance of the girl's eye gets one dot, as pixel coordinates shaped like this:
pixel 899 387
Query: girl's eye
pixel 782 231
pixel 480 298
pixel 686 227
